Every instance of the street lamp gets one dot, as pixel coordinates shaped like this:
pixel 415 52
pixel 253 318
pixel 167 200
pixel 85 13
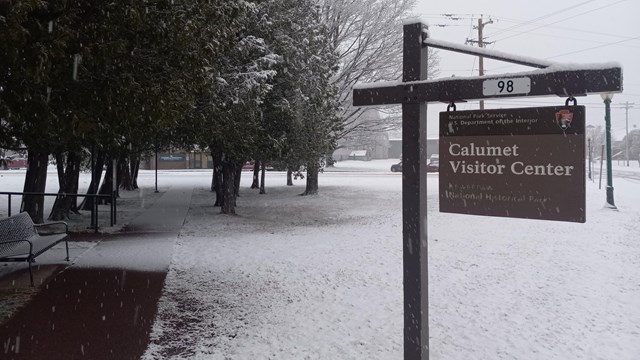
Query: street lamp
pixel 156 167
pixel 607 118
pixel 590 129
pixel 589 140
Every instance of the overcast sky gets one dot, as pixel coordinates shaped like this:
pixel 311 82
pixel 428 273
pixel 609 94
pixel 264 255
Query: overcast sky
pixel 575 31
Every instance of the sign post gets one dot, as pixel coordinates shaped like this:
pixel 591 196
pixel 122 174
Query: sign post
pixel 414 92
pixel 414 200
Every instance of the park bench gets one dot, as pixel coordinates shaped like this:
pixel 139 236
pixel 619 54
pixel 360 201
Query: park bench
pixel 22 240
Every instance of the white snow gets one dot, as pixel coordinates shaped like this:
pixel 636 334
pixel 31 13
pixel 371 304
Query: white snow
pixel 320 277
pixel 378 84
pixel 415 20
pixel 552 68
pixel 451 46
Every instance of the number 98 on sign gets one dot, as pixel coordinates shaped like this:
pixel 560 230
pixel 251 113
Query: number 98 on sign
pixel 498 87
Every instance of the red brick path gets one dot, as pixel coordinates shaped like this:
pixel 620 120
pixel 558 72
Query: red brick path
pixel 85 314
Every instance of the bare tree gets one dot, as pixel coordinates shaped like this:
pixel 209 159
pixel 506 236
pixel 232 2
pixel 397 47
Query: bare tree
pixel 368 36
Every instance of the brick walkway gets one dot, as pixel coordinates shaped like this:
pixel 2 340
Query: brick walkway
pixel 102 306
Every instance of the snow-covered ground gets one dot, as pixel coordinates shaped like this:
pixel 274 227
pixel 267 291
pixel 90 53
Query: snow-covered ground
pixel 320 277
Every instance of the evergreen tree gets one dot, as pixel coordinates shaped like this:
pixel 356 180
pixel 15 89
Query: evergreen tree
pixel 301 110
pixel 226 117
pixel 31 61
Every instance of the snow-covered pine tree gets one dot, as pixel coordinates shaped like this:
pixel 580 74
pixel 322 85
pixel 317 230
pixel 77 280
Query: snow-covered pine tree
pixel 226 116
pixel 31 50
pixel 299 112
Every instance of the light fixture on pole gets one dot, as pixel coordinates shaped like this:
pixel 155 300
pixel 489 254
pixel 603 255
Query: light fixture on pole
pixel 589 154
pixel 590 131
pixel 606 97
pixel 156 167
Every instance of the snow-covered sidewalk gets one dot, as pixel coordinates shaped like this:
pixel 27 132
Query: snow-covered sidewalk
pixel 113 283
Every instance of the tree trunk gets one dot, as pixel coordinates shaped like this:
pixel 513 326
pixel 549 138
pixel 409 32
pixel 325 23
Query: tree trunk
pixel 262 191
pixel 289 177
pixel 107 185
pixel 124 174
pixel 68 180
pixel 228 189
pixel 87 203
pixel 218 187
pixel 312 179
pixel 217 177
pixel 237 178
pixel 135 166
pixel 72 173
pixel 256 171
pixel 60 210
pixel 35 181
pixel 213 179
pixel 60 169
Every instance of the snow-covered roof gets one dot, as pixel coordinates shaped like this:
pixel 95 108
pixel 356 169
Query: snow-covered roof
pixel 415 20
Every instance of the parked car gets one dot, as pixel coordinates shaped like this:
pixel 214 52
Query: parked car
pixel 396 167
pixel 433 165
pixel 248 166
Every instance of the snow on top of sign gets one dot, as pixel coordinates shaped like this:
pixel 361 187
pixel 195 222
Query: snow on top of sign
pixel 553 68
pixel 414 20
pixel 377 84
pixel 488 52
pixel 581 66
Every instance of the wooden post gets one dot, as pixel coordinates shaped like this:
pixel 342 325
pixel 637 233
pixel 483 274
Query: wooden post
pixel 414 199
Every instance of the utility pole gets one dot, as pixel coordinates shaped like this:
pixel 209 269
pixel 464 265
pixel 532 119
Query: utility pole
pixel 627 106
pixel 481 43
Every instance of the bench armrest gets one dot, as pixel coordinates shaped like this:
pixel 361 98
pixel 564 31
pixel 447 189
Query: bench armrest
pixel 42 227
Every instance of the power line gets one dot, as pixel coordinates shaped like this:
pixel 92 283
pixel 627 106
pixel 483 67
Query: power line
pixel 556 36
pixel 563 19
pixel 520 22
pixel 577 51
pixel 544 17
pixel 595 47
pixel 582 31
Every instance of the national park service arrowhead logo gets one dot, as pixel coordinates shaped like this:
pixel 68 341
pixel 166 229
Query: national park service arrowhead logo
pixel 564 118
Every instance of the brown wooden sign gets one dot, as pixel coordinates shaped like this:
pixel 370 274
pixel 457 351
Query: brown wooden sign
pixel 522 163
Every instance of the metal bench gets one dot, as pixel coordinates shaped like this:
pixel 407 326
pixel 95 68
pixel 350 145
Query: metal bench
pixel 22 240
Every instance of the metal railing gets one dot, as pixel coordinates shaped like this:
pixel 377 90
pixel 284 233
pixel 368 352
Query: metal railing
pixel 94 208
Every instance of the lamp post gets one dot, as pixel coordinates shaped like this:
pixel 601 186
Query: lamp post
pixel 590 132
pixel 607 118
pixel 589 140
pixel 627 107
pixel 156 167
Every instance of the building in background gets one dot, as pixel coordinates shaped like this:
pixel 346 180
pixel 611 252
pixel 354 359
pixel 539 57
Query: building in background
pixel 395 145
pixel 372 139
pixel 179 160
